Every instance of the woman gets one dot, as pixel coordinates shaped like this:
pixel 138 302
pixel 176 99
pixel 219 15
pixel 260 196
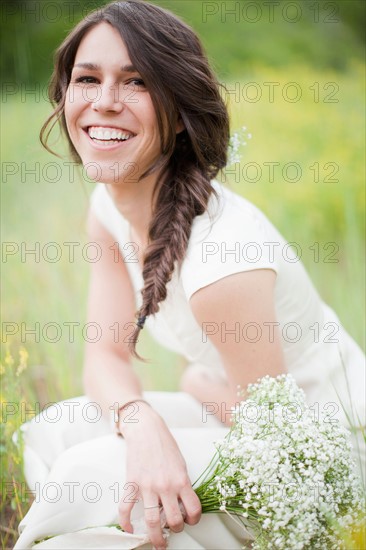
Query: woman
pixel 206 271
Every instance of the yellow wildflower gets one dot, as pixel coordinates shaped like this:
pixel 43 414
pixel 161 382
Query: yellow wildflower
pixel 23 358
pixel 9 361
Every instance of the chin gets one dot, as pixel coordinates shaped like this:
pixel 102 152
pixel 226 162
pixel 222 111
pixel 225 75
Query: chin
pixel 106 172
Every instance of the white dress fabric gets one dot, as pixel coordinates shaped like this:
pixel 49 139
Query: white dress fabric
pixel 232 236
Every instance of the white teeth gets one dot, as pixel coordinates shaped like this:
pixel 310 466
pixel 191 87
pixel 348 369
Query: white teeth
pixel 108 134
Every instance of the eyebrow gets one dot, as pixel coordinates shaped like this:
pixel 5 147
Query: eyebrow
pixel 94 67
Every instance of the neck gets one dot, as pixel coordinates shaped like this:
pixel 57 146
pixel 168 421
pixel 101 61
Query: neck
pixel 135 202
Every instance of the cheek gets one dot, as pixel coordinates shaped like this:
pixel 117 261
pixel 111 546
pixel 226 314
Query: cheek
pixel 72 110
pixel 146 112
pixel 72 130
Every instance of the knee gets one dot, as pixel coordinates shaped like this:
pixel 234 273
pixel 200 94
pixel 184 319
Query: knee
pixel 197 377
pixel 193 377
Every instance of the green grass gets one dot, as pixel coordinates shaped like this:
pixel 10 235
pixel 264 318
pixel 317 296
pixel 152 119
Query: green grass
pixel 305 212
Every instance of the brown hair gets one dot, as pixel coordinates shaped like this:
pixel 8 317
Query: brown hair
pixel 171 60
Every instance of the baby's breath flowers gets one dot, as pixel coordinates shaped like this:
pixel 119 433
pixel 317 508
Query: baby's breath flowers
pixel 286 475
pixel 238 139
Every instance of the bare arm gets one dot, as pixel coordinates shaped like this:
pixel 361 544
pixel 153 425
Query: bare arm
pixel 243 298
pixel 108 376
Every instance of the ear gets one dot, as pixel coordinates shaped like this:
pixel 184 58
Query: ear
pixel 180 126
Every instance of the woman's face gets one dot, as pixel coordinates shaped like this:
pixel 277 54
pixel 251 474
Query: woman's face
pixel 109 113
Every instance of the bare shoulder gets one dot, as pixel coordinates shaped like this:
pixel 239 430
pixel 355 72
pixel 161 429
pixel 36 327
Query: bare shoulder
pixel 247 287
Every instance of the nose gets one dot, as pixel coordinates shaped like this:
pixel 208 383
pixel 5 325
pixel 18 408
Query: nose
pixel 108 98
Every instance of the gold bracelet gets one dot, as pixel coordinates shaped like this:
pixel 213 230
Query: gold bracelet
pixel 118 411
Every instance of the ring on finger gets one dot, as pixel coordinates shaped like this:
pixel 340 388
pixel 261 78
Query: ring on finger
pixel 155 506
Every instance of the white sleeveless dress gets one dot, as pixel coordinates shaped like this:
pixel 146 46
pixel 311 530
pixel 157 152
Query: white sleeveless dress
pixel 230 237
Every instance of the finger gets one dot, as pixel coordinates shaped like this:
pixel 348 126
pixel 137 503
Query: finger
pixel 152 520
pixel 124 514
pixel 174 515
pixel 192 505
pixel 127 502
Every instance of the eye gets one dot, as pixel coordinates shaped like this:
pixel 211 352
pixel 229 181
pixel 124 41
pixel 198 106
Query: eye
pixel 136 82
pixel 85 80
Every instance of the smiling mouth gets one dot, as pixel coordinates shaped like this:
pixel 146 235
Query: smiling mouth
pixel 108 136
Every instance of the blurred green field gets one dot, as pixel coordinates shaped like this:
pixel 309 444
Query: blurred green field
pixel 235 33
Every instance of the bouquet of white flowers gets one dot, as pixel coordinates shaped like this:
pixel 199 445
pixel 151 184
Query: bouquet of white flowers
pixel 286 475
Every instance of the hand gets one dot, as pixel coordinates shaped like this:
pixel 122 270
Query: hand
pixel 156 466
